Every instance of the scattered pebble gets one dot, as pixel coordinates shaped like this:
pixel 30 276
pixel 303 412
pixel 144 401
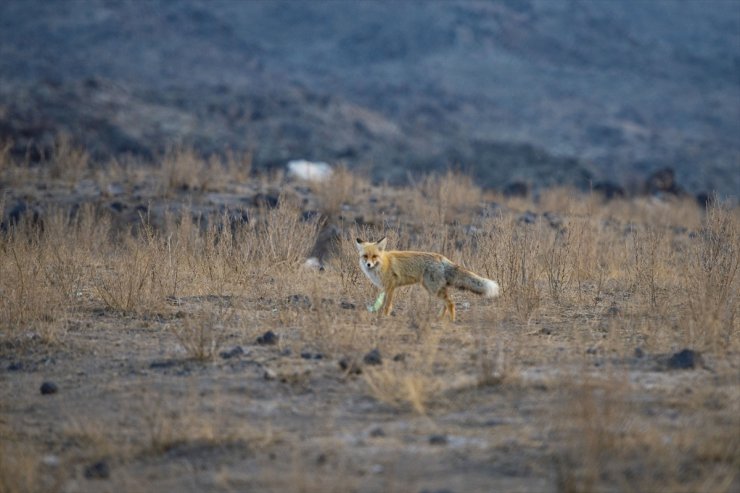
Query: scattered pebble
pixel 350 366
pixel 163 363
pixel 98 470
pixel 438 440
pixel 377 432
pixel 309 355
pixel 373 358
pixel 346 305
pixel 231 353
pixel 269 338
pixel 400 357
pixel 300 300
pixel 687 359
pixel 49 388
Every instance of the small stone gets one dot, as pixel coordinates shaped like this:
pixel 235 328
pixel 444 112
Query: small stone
pixel 400 357
pixel 346 305
pixel 373 358
pixel 269 338
pixel 49 388
pixel 231 353
pixel 51 460
pixel 528 217
pixel 687 359
pixel 15 366
pixel 269 374
pixel 438 440
pixel 377 432
pixel 349 366
pixel 300 300
pixel 98 470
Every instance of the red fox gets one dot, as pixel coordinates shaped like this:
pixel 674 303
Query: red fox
pixel 392 269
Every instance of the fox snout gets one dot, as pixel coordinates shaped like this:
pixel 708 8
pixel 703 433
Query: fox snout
pixel 370 262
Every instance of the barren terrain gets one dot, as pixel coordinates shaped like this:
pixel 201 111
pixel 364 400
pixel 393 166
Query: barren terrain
pixel 160 331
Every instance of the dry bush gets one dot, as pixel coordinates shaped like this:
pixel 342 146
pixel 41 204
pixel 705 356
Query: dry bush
pixel 203 334
pixel 649 256
pixel 183 169
pixel 511 252
pixel 128 281
pixel 43 276
pixel 556 258
pixel 711 279
pixel 342 187
pixel 439 199
pixel 19 470
pixel 409 386
pixel 68 161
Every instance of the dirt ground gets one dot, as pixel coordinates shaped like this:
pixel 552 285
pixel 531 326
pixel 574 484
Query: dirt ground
pixel 281 380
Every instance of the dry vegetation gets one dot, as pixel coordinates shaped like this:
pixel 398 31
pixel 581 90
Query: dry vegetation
pixel 562 384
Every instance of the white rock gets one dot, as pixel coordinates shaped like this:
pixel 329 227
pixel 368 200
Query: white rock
pixel 309 170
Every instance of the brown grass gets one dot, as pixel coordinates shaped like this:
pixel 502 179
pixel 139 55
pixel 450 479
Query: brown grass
pixel 579 295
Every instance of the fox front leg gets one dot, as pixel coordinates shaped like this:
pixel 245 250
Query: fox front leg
pixel 378 303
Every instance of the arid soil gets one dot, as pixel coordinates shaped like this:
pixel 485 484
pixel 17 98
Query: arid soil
pixel 160 332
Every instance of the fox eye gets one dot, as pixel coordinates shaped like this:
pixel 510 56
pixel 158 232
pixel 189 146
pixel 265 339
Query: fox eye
pixel 365 257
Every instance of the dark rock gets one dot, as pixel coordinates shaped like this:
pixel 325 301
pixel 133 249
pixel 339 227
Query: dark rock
pixel 310 355
pixel 15 366
pixel 310 216
pixel 528 217
pixel 687 359
pixel 516 189
pixel 265 200
pixel 49 388
pixel 400 357
pixel 614 310
pixel 328 243
pixel 555 221
pixel 269 338
pixel 377 432
pixel 705 199
pixel 230 353
pixel 438 440
pixel 350 366
pixel 663 181
pixel 346 305
pixel 609 190
pixel 300 300
pixel 117 206
pixel 163 363
pixel 373 358
pixel 98 470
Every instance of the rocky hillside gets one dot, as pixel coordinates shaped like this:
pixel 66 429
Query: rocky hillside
pixel 518 90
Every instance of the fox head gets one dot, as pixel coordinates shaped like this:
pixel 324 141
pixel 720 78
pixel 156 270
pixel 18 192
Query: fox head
pixel 370 252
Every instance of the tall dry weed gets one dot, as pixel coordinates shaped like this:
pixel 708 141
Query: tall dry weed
pixel 712 280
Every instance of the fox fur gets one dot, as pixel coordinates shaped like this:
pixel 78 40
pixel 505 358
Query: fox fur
pixel 389 270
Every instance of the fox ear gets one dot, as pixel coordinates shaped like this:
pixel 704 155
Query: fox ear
pixel 381 243
pixel 358 244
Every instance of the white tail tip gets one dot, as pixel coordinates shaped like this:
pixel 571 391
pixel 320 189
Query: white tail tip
pixel 490 289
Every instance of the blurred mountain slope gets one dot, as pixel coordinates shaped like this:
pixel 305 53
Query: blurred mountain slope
pixel 533 90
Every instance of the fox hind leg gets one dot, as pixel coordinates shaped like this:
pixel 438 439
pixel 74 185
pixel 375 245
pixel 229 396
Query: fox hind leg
pixel 449 304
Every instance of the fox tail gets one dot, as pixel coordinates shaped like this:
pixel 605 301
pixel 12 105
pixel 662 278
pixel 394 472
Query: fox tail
pixel 464 279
